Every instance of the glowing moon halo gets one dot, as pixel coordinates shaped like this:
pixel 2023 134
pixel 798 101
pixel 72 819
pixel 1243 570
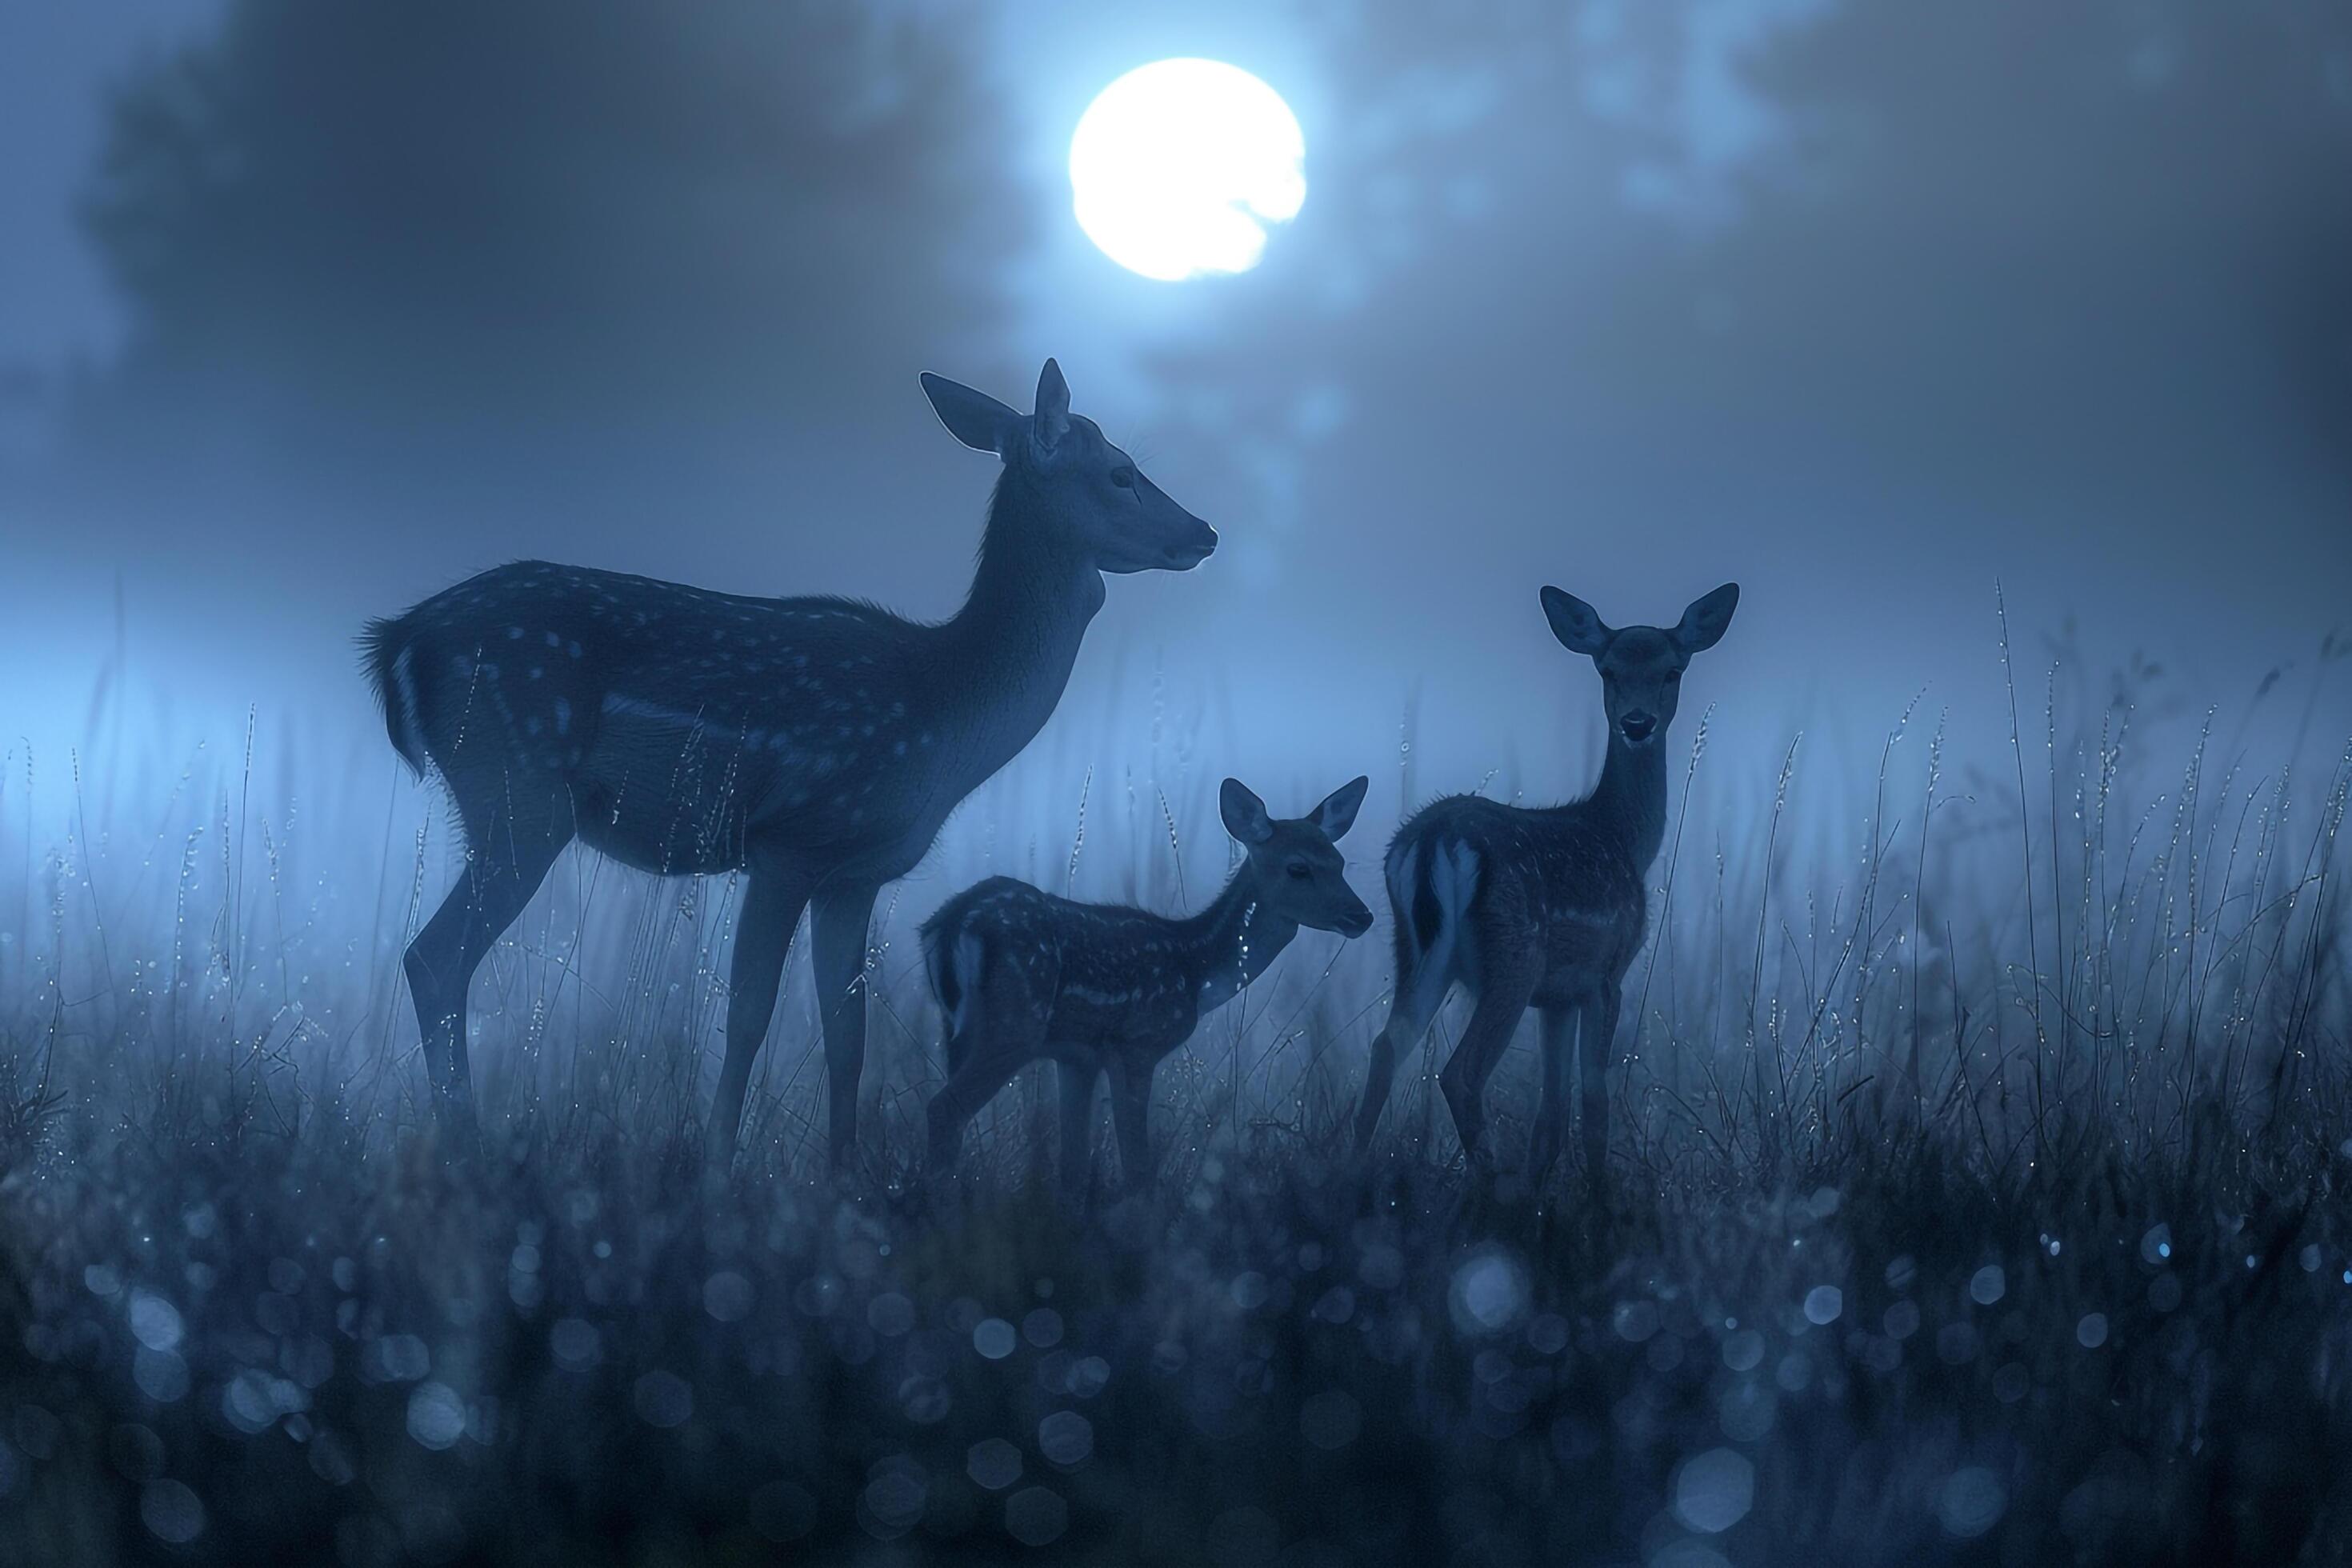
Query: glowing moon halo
pixel 1177 168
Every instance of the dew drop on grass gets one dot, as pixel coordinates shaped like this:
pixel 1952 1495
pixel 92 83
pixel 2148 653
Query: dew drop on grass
pixel 154 1321
pixel 1489 1293
pixel 161 1375
pixel 1971 1502
pixel 992 1463
pixel 576 1343
pixel 1036 1517
pixel 171 1512
pixel 136 1452
pixel 1714 1490
pixel 727 1297
pixel 1089 1376
pixel 896 1490
pixel 891 1315
pixel 1066 1438
pixel 436 1417
pixel 1636 1321
pixel 925 1400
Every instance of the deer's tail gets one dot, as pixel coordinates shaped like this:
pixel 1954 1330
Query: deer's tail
pixel 1431 878
pixel 387 652
pixel 952 956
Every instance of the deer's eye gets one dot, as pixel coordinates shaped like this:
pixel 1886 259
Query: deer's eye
pixel 1123 477
pixel 1298 871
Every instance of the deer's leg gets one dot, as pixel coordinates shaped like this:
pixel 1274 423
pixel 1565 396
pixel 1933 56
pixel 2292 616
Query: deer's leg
pixel 1501 1004
pixel 1006 1038
pixel 957 1102
pixel 1077 1086
pixel 1131 1115
pixel 1417 998
pixel 772 901
pixel 1599 1032
pixel 509 852
pixel 1551 1116
pixel 844 916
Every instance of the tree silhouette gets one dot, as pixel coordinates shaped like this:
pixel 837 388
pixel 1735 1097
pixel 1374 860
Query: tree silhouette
pixel 335 222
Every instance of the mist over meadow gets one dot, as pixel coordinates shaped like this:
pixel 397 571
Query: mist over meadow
pixel 1981 1104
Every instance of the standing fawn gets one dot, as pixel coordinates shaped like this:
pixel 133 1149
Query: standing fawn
pixel 815 744
pixel 1545 907
pixel 1101 989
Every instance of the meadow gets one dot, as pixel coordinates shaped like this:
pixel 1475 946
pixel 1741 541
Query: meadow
pixel 1981 1129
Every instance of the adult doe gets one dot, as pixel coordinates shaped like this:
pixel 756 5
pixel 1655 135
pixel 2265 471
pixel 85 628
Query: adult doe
pixel 1541 907
pixel 815 744
pixel 1100 989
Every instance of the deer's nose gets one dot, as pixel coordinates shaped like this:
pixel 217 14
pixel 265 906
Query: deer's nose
pixel 1198 547
pixel 1356 922
pixel 1638 726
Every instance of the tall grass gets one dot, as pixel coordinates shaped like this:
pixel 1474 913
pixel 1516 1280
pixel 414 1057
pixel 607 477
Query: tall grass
pixel 1978 1140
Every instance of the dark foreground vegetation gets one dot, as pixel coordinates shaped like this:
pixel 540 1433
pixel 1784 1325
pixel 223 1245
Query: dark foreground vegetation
pixel 1978 1199
pixel 243 1349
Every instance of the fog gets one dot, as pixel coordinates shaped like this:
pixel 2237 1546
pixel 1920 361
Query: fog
pixel 1958 1180
pixel 1868 307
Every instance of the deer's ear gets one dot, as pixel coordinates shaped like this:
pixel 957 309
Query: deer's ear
pixel 974 418
pixel 1575 624
pixel 1704 624
pixel 1051 420
pixel 1244 814
pixel 1337 812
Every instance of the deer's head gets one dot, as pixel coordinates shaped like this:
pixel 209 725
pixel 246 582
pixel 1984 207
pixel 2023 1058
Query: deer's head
pixel 1090 492
pixel 1295 863
pixel 1641 666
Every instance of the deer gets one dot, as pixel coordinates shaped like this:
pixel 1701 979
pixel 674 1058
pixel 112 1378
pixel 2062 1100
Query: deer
pixel 1541 907
pixel 815 746
pixel 1110 991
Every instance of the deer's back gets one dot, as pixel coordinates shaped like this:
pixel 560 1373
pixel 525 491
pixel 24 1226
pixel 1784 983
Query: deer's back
pixel 723 653
pixel 685 722
pixel 1555 884
pixel 1096 973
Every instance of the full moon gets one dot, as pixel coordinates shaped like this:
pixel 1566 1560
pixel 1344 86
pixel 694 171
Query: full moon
pixel 1178 167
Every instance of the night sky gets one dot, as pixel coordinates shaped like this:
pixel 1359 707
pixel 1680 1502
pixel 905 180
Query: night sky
pixel 308 311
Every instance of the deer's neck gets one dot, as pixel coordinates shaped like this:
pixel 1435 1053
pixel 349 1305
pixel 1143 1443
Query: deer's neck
pixel 1008 653
pixel 1230 944
pixel 1630 801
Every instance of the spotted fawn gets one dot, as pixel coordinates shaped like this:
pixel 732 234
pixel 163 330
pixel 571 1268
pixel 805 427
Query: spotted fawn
pixel 1545 907
pixel 1106 990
